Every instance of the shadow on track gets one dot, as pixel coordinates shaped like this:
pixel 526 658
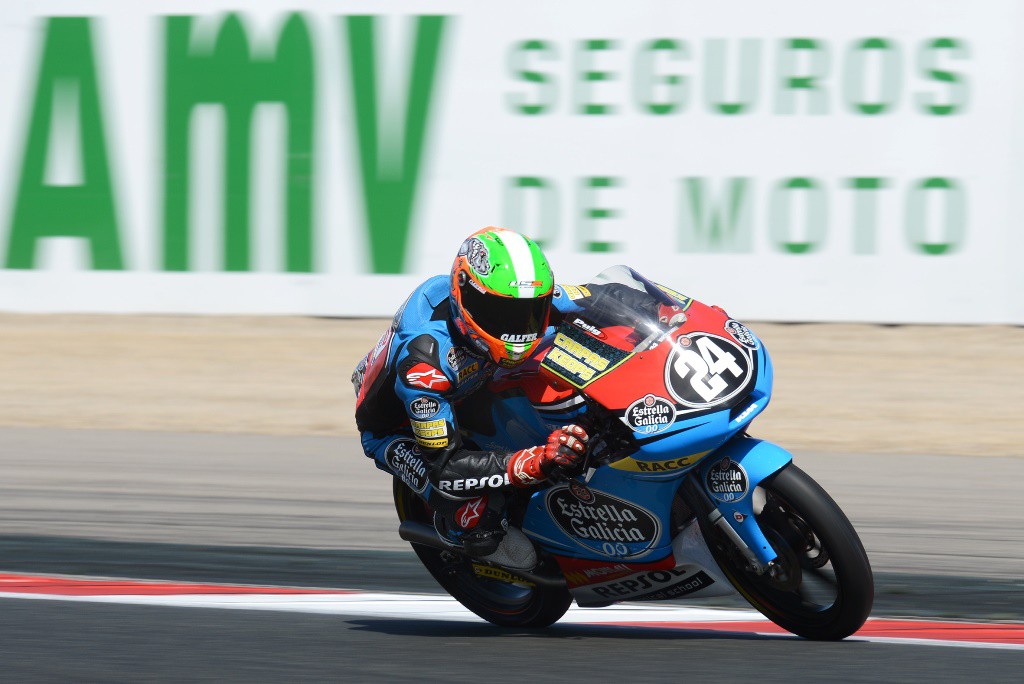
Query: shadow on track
pixel 445 629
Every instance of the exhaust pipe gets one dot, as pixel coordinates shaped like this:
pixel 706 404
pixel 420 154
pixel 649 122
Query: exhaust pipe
pixel 425 535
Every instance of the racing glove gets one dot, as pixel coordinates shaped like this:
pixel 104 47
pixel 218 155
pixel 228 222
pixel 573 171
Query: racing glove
pixel 565 450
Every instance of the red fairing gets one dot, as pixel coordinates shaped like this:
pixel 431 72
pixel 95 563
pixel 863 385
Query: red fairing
pixel 426 376
pixel 534 384
pixel 617 390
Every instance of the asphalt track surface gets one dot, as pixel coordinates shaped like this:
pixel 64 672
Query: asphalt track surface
pixel 945 536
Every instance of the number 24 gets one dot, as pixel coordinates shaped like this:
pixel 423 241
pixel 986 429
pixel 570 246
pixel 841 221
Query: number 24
pixel 711 361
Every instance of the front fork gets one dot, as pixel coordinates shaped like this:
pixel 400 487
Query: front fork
pixel 722 489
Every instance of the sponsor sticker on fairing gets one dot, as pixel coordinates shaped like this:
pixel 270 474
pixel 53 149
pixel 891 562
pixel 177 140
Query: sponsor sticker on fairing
pixel 650 415
pixel 592 329
pixel 727 481
pixel 578 358
pixel 606 524
pixel 656 585
pixel 639 466
pixel 742 334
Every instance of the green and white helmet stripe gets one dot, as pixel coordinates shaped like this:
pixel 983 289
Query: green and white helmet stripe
pixel 520 269
pixel 523 256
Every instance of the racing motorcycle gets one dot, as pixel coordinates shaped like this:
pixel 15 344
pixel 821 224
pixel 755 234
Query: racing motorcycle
pixel 676 500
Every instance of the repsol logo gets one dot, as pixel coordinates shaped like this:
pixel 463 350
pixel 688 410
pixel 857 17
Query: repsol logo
pixel 655 586
pixel 470 484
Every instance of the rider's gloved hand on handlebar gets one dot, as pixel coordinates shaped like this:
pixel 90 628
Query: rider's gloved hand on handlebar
pixel 565 451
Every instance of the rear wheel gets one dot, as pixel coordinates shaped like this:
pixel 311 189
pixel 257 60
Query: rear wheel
pixel 495 595
pixel 821 586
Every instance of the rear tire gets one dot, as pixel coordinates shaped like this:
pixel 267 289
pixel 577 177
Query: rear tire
pixel 502 603
pixel 820 555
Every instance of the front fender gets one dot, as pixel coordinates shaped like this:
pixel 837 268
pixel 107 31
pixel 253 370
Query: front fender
pixel 729 478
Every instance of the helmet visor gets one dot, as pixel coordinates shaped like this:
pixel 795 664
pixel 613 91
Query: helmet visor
pixel 506 316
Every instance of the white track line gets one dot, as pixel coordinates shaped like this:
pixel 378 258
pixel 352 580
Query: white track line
pixel 445 608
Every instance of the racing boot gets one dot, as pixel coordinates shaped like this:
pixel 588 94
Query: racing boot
pixel 480 527
pixel 515 551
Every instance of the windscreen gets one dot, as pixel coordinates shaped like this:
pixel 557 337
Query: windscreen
pixel 622 298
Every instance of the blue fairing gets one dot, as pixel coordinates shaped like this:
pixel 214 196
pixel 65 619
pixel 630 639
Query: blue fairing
pixel 755 460
pixel 623 511
pixel 644 486
pixel 710 430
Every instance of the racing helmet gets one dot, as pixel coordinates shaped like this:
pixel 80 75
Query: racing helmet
pixel 501 290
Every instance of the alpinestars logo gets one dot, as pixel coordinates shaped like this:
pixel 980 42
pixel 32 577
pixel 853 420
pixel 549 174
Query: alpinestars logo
pixel 469 514
pixel 519 466
pixel 428 377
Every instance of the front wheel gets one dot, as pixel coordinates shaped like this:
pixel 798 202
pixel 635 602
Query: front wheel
pixel 821 586
pixel 494 594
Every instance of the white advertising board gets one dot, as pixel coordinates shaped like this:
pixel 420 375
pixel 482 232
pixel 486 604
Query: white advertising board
pixel 787 160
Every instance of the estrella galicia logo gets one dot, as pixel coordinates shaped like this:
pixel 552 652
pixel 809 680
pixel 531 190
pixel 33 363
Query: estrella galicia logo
pixel 650 415
pixel 727 481
pixel 742 334
pixel 605 524
pixel 403 458
pixel 424 407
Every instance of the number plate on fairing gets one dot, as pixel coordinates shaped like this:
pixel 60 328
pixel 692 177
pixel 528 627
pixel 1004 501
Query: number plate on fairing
pixel 705 370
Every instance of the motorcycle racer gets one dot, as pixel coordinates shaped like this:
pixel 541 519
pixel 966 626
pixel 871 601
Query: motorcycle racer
pixel 444 344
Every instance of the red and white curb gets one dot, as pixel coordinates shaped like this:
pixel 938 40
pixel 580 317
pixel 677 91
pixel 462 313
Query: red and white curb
pixel 444 608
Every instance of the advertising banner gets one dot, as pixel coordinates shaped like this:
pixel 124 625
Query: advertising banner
pixel 788 161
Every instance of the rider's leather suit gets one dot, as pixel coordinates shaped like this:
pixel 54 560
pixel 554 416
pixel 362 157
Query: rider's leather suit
pixel 408 390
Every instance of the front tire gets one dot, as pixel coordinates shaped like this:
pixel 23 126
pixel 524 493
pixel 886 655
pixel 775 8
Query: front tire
pixel 822 587
pixel 500 602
